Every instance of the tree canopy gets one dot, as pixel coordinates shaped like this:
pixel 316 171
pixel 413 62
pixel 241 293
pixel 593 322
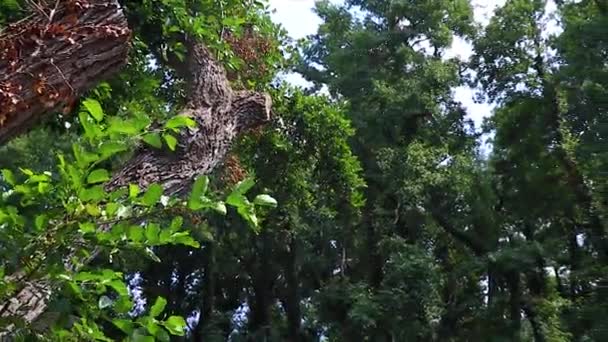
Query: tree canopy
pixel 159 181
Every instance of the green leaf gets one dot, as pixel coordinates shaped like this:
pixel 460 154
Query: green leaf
pixel 94 109
pixel 180 121
pixel 152 231
pixel 9 176
pixel 98 176
pixel 162 335
pixel 119 286
pixel 129 127
pixel 124 304
pixel 236 197
pixel 91 129
pixel 237 200
pixel 265 200
pixel 133 190
pixel 152 195
pixel 135 233
pixel 124 325
pixel 86 227
pixel 110 148
pixel 153 139
pixel 41 221
pixel 243 186
pixel 176 325
pixel 92 209
pixel 176 223
pixel 220 207
pixel 141 338
pixel 105 302
pixel 158 307
pixel 198 190
pixel 170 140
pixel 151 255
pixel 112 208
pixel 83 157
pixel 184 239
pixel 92 194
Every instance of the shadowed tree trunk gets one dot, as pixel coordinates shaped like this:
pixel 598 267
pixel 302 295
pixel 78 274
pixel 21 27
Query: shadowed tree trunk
pixel 52 57
pixel 221 115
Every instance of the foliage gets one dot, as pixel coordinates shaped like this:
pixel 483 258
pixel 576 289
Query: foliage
pixel 369 212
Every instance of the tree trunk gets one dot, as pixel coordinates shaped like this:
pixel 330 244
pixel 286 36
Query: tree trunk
pixel 207 306
pixel 52 57
pixel 292 300
pixel 221 115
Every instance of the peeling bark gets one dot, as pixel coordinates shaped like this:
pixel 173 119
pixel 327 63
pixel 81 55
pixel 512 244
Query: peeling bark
pixel 221 114
pixel 52 57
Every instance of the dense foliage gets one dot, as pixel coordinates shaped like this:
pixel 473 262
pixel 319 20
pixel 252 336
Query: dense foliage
pixel 367 210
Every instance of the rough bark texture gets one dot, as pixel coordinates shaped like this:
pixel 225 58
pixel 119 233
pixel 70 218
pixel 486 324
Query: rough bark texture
pixel 50 58
pixel 221 115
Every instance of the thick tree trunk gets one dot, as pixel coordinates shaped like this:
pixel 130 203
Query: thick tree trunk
pixel 52 57
pixel 221 115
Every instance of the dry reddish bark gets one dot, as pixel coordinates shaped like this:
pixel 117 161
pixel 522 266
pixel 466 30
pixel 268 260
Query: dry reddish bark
pixel 220 112
pixel 50 58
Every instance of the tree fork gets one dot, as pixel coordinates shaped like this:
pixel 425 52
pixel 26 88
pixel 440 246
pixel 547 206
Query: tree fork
pixel 221 115
pixel 55 55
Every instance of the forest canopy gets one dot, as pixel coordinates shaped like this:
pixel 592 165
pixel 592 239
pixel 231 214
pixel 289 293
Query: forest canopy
pixel 161 182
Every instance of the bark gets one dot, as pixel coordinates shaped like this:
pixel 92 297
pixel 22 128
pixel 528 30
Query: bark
pixel 515 300
pixel 263 298
pixel 292 300
pixel 52 57
pixel 221 114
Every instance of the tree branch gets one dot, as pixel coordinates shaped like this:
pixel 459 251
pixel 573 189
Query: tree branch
pixel 48 60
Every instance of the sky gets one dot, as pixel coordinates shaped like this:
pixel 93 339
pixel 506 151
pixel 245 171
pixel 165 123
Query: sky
pixel 298 18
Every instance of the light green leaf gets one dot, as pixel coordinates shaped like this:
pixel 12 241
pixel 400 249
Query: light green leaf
pixel 152 231
pixel 86 227
pixel 135 233
pixel 105 302
pixel 151 255
pixel 91 129
pixel 153 139
pixel 176 223
pixel 152 195
pixel 110 148
pixel 158 307
pixel 41 221
pixel 9 177
pixel 119 286
pixel 94 108
pixel 265 200
pixel 220 207
pixel 92 194
pixel 180 121
pixel 112 208
pixel 98 176
pixel 92 209
pixel 170 140
pixel 133 190
pixel 124 325
pixel 176 325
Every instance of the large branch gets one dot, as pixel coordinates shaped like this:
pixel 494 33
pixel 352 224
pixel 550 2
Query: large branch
pixel 52 57
pixel 221 115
